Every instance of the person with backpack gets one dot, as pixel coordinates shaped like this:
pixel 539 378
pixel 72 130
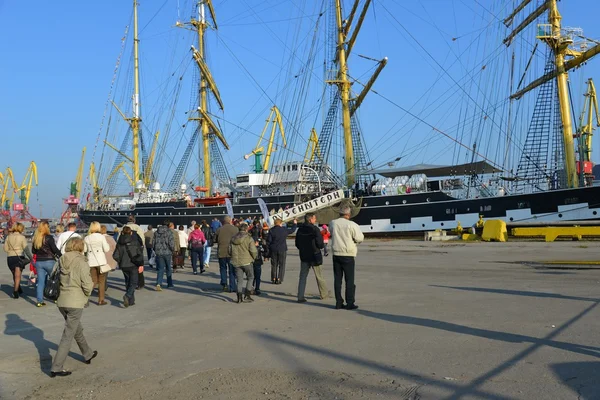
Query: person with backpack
pixel 309 243
pixel 209 235
pixel 197 242
pixel 46 253
pixel 164 248
pixel 130 256
pixel 76 285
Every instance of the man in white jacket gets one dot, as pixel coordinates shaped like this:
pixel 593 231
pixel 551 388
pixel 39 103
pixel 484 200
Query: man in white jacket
pixel 345 235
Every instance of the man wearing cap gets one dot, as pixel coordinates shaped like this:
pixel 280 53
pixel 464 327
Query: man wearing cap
pixel 345 235
pixel 277 243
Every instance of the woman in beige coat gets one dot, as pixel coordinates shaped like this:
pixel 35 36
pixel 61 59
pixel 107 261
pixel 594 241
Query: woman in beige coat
pixel 18 255
pixel 96 247
pixel 75 287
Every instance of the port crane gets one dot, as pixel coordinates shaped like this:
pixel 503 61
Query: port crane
pixel 7 195
pixel 276 121
pixel 71 213
pixel 21 210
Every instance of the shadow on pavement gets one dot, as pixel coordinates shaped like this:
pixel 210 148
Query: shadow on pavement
pixel 28 295
pixel 282 348
pixel 582 377
pixel 483 333
pixel 518 293
pixel 17 326
pixel 536 343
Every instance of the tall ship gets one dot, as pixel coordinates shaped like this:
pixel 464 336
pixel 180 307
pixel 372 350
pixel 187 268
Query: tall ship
pixel 522 164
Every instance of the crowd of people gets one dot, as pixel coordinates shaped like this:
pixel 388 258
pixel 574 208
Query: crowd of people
pixel 242 248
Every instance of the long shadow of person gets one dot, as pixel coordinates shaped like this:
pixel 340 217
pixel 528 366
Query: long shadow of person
pixel 15 325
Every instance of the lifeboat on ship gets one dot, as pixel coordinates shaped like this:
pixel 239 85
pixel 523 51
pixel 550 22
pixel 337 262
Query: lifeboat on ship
pixel 208 201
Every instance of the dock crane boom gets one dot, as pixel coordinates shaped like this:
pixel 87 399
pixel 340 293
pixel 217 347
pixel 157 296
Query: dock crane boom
pixel 313 147
pixel 8 190
pixel 585 132
pixel 275 119
pixel 71 214
pixel 21 210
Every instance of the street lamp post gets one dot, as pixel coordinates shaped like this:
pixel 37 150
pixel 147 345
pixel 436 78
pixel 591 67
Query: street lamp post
pixel 317 175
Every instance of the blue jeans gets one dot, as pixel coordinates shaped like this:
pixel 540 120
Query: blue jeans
pixel 257 274
pixel 207 251
pixel 44 268
pixel 197 255
pixel 227 269
pixel 164 262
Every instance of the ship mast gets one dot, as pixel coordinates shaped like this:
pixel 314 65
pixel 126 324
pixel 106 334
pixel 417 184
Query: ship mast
pixel 207 127
pixel 553 36
pixel 136 119
pixel 345 42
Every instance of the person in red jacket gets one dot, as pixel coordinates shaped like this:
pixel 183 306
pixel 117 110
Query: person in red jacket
pixel 326 235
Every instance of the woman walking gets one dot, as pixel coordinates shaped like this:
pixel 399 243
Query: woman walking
pixel 209 235
pixel 197 241
pixel 18 256
pixel 46 254
pixel 75 287
pixel 183 242
pixel 112 244
pixel 326 235
pixel 129 254
pixel 95 248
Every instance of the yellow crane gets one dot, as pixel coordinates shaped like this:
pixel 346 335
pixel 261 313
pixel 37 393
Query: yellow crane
pixel 275 119
pixel 31 176
pixel 76 186
pixel 313 147
pixel 8 190
pixel 94 183
pixel 150 162
pixel 585 132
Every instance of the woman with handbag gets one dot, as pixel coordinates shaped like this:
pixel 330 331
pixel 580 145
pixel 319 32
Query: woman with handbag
pixel 46 254
pixel 95 248
pixel 129 254
pixel 75 287
pixel 18 256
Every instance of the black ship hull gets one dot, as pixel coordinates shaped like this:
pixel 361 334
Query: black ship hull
pixel 392 214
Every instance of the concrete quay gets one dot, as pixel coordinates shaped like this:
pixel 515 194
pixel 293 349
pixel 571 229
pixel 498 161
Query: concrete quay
pixel 436 321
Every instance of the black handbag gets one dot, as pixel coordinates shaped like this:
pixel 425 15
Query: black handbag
pixel 52 288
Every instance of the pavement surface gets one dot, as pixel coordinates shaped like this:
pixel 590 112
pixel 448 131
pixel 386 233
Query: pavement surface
pixel 436 321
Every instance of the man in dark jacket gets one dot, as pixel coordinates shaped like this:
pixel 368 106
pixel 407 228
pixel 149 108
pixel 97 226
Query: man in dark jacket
pixel 164 248
pixel 129 253
pixel 222 240
pixel 278 249
pixel 309 243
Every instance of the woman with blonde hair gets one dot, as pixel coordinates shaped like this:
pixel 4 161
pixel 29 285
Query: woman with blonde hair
pixel 18 256
pixel 96 247
pixel 57 231
pixel 75 287
pixel 46 254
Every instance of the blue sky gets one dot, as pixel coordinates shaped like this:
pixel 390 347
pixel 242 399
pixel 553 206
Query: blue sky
pixel 58 61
